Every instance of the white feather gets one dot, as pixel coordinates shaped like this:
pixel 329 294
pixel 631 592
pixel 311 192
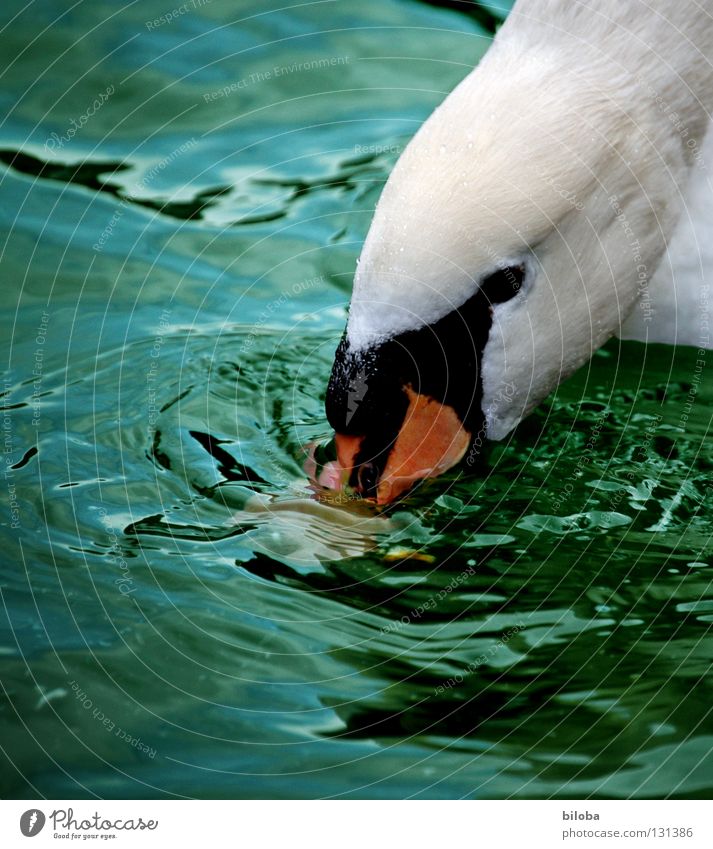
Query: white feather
pixel 676 306
pixel 570 145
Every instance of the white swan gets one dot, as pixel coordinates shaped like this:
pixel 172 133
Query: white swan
pixel 525 224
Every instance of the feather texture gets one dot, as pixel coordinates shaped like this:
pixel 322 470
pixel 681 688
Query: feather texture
pixel 576 146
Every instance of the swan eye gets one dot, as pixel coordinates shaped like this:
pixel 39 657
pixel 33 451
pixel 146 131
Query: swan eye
pixel 503 284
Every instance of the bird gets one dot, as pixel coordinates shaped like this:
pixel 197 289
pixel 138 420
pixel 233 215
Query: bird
pixel 557 197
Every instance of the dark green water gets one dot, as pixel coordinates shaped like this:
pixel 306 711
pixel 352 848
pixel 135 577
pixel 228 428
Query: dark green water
pixel 179 617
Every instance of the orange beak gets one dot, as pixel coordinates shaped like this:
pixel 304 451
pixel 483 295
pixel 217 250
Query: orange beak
pixel 431 440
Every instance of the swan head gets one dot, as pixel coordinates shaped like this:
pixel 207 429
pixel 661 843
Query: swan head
pixel 509 243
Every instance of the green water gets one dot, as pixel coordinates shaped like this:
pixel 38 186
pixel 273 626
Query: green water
pixel 179 617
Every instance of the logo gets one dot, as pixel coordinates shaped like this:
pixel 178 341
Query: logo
pixel 32 822
pixel 356 392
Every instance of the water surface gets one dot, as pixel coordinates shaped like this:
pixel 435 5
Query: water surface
pixel 180 617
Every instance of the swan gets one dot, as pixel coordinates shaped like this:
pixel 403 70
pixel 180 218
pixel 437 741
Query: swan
pixel 557 197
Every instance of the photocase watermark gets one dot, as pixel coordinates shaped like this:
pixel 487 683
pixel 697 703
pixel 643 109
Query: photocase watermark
pixel 704 322
pixel 504 397
pixel 430 603
pixel 641 455
pixel 459 677
pixel 376 149
pixel 641 452
pixel 273 73
pixel 6 426
pixel 270 310
pixel 107 723
pixel 108 231
pixel 696 378
pixel 8 446
pixel 152 372
pixel 342 496
pixel 701 354
pixel 32 822
pixel 565 193
pixel 80 827
pixel 37 368
pixel 642 272
pixel 356 391
pixel 584 459
pixel 470 235
pixel 178 12
pixel 153 172
pixel 677 122
pixel 273 306
pixel 134 191
pixel 123 581
pixel 56 142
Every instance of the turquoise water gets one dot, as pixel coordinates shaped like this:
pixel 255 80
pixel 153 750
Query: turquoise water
pixel 182 204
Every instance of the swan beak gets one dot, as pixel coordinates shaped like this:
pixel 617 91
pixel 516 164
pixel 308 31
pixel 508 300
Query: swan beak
pixel 430 441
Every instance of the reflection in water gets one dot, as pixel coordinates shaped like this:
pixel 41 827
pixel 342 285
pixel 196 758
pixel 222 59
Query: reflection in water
pixel 309 532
